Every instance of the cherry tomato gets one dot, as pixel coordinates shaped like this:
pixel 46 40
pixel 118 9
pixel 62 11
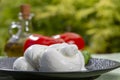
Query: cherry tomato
pixel 72 38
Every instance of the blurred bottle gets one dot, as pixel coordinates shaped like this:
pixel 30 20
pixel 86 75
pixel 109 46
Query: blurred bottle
pixel 19 31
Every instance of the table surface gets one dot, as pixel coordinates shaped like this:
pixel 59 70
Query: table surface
pixel 112 75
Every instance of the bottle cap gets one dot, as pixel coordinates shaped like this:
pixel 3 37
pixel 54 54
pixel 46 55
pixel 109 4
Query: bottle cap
pixel 25 10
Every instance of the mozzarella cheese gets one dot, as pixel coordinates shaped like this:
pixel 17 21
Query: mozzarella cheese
pixel 22 65
pixel 34 53
pixel 62 58
pixel 54 58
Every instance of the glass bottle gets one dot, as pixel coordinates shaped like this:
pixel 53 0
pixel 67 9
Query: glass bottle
pixel 14 46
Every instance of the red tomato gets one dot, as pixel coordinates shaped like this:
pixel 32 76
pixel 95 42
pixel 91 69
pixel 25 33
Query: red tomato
pixel 72 38
pixel 40 39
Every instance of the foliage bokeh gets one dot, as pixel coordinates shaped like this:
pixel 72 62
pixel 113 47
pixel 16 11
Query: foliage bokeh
pixel 98 21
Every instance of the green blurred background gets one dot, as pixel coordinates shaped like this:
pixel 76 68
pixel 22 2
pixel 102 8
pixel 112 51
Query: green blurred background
pixel 98 21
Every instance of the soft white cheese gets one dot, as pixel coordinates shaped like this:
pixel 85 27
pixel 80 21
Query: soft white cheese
pixel 34 53
pixel 22 65
pixel 59 58
pixel 55 58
